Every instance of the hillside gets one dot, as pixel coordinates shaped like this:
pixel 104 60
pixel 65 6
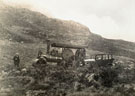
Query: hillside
pixel 116 47
pixel 25 31
pixel 28 26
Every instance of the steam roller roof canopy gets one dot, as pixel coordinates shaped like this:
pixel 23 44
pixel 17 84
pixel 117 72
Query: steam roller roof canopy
pixel 68 45
pixel 67 54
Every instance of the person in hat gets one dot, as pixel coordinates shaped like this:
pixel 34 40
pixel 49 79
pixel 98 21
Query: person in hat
pixel 16 60
pixel 39 54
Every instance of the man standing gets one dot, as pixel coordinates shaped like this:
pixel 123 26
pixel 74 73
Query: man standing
pixel 16 60
pixel 39 53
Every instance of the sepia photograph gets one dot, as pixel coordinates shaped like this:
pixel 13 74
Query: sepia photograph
pixel 67 47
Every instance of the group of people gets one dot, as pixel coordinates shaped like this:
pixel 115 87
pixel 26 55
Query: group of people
pixel 80 54
pixel 16 58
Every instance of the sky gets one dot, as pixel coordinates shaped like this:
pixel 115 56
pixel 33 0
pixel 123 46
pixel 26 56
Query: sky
pixel 114 19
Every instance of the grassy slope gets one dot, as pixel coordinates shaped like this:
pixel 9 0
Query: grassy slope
pixel 116 47
pixel 24 25
pixel 24 31
pixel 27 52
pixel 31 28
pixel 21 21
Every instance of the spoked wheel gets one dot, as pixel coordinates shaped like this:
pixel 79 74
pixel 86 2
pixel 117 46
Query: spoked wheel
pixel 68 57
pixel 67 54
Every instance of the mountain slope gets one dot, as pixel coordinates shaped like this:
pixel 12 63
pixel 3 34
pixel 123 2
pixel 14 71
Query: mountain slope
pixel 22 22
pixel 23 25
pixel 116 47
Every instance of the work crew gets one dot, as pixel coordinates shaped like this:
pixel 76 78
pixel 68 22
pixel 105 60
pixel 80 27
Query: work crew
pixel 16 60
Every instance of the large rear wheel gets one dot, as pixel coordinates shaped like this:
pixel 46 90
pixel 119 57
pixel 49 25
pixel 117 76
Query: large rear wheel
pixel 67 54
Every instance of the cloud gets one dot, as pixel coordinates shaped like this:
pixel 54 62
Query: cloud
pixel 110 18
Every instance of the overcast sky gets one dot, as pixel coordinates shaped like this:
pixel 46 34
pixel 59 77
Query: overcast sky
pixel 113 19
